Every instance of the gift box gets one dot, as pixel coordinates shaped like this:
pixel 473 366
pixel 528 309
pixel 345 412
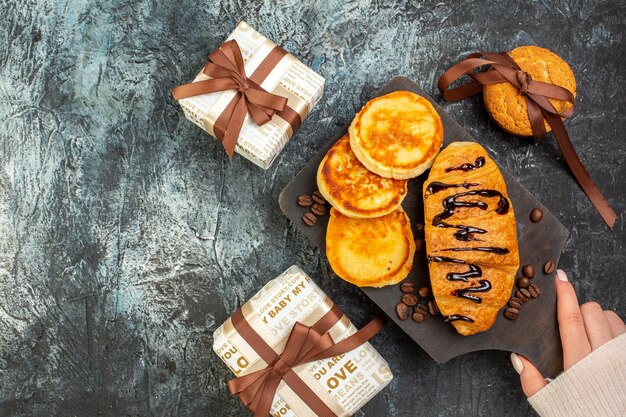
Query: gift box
pixel 256 342
pixel 260 131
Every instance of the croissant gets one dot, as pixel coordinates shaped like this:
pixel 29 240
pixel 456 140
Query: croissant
pixel 471 237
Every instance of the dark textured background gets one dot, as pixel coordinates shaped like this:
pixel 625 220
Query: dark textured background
pixel 127 237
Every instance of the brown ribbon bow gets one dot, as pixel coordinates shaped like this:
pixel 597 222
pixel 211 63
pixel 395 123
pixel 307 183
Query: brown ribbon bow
pixel 305 344
pixel 226 68
pixel 505 69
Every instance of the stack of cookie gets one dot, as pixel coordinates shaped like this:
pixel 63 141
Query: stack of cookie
pixel 364 177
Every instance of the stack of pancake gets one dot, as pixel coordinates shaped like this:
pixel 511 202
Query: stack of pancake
pixel 364 177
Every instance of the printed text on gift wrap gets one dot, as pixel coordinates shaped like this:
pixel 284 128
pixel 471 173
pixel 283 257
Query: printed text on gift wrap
pixel 291 303
pixel 294 302
pixel 355 370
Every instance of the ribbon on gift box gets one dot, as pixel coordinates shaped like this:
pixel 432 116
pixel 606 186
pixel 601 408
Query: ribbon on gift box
pixel 505 69
pixel 226 70
pixel 305 344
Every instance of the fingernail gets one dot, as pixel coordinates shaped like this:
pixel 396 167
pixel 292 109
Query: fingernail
pixel 517 363
pixel 561 275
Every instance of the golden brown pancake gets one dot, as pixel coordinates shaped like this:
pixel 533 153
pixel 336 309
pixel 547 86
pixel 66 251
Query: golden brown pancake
pixel 471 237
pixel 397 135
pixel 370 252
pixel 354 190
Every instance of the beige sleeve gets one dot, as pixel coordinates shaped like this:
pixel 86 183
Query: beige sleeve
pixel 595 386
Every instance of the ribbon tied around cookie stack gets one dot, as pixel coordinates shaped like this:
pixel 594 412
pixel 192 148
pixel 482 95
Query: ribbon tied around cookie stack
pixel 305 344
pixel 226 70
pixel 537 95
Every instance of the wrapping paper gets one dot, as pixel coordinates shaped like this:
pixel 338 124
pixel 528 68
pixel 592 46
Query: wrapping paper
pixel 290 78
pixel 345 382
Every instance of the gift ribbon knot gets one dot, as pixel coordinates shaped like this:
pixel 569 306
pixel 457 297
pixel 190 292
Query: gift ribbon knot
pixel 243 86
pixel 305 344
pixel 226 70
pixel 504 69
pixel 280 366
pixel 524 79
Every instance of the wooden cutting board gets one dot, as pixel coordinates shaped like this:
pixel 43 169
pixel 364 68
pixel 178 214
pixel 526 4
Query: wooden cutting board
pixel 534 334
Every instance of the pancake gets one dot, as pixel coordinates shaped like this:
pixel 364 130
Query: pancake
pixel 397 135
pixel 354 190
pixel 370 252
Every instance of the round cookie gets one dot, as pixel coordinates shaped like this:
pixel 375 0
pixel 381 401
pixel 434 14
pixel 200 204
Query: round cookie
pixel 507 106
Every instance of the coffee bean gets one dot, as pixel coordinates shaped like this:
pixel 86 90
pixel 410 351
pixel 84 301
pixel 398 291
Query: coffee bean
pixel 534 290
pixel 536 215
pixel 407 287
pixel 419 244
pixel 403 311
pixel 432 308
pixel 523 282
pixel 418 317
pixel 409 299
pixel 522 294
pixel 309 218
pixel 515 303
pixel 548 267
pixel 305 200
pixel 318 209
pixel 528 271
pixel 318 198
pixel 424 292
pixel 511 313
pixel 420 308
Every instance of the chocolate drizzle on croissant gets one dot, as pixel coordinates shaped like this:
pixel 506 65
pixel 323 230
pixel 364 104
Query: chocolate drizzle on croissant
pixel 471 237
pixel 455 317
pixel 474 270
pixel 466 233
pixel 480 161
pixel 492 249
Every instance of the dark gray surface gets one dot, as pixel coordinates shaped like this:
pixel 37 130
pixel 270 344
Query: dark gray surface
pixel 126 236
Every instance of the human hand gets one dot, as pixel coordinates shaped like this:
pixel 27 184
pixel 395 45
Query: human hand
pixel 583 329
